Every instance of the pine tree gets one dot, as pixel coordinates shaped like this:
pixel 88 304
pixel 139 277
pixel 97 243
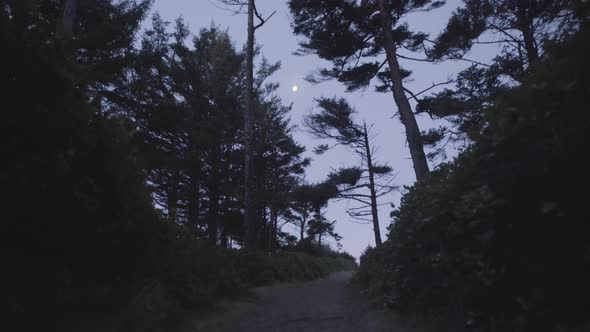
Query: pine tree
pixel 351 36
pixel 335 122
pixel 520 30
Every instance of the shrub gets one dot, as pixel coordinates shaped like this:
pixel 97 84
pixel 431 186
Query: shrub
pixel 500 235
pixel 193 275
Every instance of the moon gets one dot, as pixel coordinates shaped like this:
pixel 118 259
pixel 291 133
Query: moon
pixel 295 88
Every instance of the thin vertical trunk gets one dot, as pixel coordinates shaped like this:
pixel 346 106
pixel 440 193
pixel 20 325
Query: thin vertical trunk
pixel 224 240
pixel 401 100
pixel 194 183
pixel 302 230
pixel 249 218
pixel 173 197
pixel 525 25
pixel 69 17
pixel 271 230
pixel 212 224
pixel 275 231
pixel 263 227
pixel 214 185
pixel 374 211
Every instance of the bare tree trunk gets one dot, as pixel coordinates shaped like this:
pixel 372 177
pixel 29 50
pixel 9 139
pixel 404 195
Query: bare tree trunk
pixel 194 203
pixel 212 225
pixel 525 25
pixel 173 197
pixel 250 210
pixel 214 185
pixel 224 240
pixel 69 17
pixel 194 181
pixel 405 110
pixel 272 231
pixel 263 227
pixel 374 211
pixel 302 230
pixel 275 231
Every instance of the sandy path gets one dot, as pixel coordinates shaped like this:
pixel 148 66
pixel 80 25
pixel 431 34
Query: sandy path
pixel 328 304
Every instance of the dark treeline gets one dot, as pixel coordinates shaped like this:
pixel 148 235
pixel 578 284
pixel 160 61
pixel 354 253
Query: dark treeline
pixel 123 181
pixel 187 103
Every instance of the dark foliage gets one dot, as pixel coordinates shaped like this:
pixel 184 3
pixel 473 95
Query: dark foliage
pixel 121 170
pixel 499 236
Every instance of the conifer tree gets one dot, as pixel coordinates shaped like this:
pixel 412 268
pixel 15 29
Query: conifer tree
pixel 353 37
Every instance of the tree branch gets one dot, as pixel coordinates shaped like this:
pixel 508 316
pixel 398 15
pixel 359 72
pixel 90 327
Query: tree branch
pixel 434 85
pixel 262 20
pixel 414 59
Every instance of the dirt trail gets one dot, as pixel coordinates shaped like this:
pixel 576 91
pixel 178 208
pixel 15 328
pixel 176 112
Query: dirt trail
pixel 329 304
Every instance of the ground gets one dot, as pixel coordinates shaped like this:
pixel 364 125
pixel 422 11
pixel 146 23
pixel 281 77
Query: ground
pixel 330 304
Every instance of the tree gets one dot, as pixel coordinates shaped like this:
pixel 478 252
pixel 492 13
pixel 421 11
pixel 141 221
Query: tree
pixel 319 226
pixel 125 163
pixel 300 208
pixel 185 104
pixel 104 40
pixel 399 95
pixel 351 36
pixel 518 27
pixel 479 227
pixel 249 203
pixel 278 163
pixel 80 216
pixel 520 30
pixel 69 16
pixel 189 111
pixel 335 122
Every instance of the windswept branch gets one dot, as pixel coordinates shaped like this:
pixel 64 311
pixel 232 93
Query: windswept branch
pixel 262 20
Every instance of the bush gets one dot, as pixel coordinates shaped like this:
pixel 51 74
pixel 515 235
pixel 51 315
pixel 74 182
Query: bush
pixel 500 235
pixel 192 275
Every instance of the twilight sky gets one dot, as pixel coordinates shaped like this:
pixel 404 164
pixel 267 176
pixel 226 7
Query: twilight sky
pixel 278 43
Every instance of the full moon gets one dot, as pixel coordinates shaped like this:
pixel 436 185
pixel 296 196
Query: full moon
pixel 295 88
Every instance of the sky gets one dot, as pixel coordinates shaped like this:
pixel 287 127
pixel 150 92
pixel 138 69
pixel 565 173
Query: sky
pixel 279 43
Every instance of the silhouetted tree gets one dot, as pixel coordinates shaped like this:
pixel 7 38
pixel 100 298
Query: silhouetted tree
pixel 334 122
pixel 250 205
pixel 351 36
pixel 520 30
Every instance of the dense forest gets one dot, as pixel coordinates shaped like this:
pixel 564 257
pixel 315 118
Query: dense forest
pixel 151 170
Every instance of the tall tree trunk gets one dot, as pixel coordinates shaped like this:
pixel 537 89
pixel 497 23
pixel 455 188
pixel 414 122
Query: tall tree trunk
pixel 401 100
pixel 272 231
pixel 214 185
pixel 212 224
pixel 275 231
pixel 212 227
pixel 250 209
pixel 263 227
pixel 69 17
pixel 193 204
pixel 173 197
pixel 302 230
pixel 374 211
pixel 194 188
pixel 525 25
pixel 224 240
